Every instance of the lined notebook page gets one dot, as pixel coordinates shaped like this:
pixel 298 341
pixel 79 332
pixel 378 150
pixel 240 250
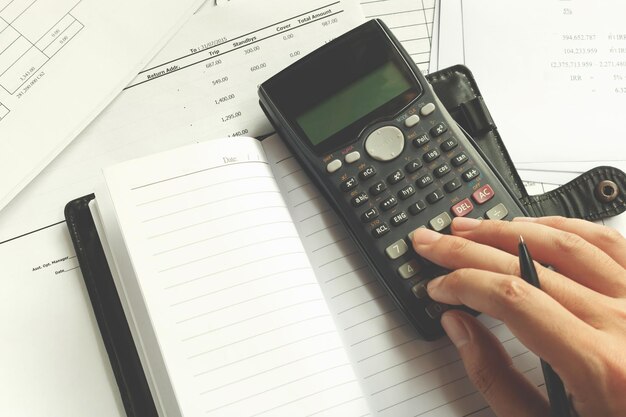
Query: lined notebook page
pixel 402 375
pixel 240 324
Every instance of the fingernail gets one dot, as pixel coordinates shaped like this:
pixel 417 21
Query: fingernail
pixel 525 219
pixel 455 329
pixel 423 236
pixel 433 286
pixel 463 224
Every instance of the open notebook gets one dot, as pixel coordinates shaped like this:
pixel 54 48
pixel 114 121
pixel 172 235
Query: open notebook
pixel 245 295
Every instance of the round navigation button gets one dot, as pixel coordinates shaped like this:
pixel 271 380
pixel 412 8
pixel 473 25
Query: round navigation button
pixel 385 143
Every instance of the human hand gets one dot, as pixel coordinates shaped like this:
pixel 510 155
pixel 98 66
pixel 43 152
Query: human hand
pixel 576 322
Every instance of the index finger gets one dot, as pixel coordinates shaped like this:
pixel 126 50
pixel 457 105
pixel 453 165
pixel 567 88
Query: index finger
pixel 537 320
pixel 605 238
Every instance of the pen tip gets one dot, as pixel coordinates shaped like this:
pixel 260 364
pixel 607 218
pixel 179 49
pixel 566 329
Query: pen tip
pixel 521 239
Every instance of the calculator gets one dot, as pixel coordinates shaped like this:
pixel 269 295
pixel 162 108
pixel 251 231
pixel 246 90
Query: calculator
pixel 370 132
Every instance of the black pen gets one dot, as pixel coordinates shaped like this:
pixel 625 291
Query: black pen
pixel 559 403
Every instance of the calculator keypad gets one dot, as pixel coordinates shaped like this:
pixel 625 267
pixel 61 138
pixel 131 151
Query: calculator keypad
pixel 434 181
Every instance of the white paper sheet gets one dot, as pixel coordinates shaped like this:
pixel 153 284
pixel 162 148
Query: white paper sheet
pixel 156 115
pixel 61 63
pixel 53 361
pixel 410 21
pixel 553 74
pixel 212 93
pixel 448 46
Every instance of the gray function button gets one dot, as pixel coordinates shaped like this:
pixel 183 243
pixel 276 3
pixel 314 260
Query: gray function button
pixel 420 289
pixel 353 157
pixel 333 166
pixel 411 120
pixel 427 110
pixel 409 269
pixel 497 213
pixel 440 222
pixel 385 144
pixel 397 249
pixel 435 310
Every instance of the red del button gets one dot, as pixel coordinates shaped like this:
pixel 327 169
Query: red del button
pixel 461 209
pixel 483 194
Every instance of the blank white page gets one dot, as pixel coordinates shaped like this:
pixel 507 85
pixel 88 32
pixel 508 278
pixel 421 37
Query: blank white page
pixel 224 301
pixel 402 374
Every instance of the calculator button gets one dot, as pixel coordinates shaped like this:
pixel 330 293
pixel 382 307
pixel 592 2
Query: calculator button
pixel 399 218
pixel 412 120
pixel 421 140
pixel 442 170
pixel 360 199
pixel 416 208
pixel 349 184
pixel 419 290
pixel 389 203
pixel 385 143
pixel 435 310
pixel 369 215
pixel 427 110
pixel 448 145
pixel 397 249
pixel 435 196
pixel 406 192
pixel 352 157
pixel 470 174
pixel 380 230
pixel 438 130
pixel 483 194
pixel 378 188
pixel 440 222
pixel 424 181
pixel 413 166
pixel 497 213
pixel 452 185
pixel 431 155
pixel 333 166
pixel 462 208
pixel 459 160
pixel 410 236
pixel 367 173
pixel 409 269
pixel 396 177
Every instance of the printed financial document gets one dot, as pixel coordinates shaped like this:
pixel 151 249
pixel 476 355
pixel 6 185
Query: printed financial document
pixel 61 63
pixel 553 74
pixel 410 21
pixel 54 347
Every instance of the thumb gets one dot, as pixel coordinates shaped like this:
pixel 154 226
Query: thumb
pixel 491 369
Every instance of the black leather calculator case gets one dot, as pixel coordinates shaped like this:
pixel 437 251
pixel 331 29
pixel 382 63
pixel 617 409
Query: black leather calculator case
pixel 596 194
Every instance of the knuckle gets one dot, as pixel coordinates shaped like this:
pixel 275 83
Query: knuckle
pixel 498 227
pixel 512 267
pixel 454 278
pixel 613 365
pixel 483 379
pixel 510 293
pixel 610 236
pixel 569 243
pixel 455 246
pixel 617 311
pixel 558 222
pixel 483 376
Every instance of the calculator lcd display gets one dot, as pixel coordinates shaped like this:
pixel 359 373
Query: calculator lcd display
pixel 354 101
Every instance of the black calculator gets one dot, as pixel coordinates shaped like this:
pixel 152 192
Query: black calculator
pixel 369 130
